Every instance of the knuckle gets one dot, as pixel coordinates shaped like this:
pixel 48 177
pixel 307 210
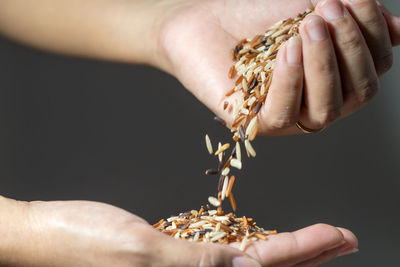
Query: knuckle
pixel 323 116
pixel 351 41
pixel 369 11
pixel 384 63
pixel 328 115
pixel 367 90
pixel 283 122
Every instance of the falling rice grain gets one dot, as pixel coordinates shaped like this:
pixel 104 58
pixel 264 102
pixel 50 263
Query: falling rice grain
pixel 236 163
pixel 225 171
pixel 232 201
pixel 222 149
pixel 221 161
pixel 230 185
pixel 224 188
pixel 249 148
pixel 208 144
pixel 211 172
pixel 219 155
pixel 213 201
pixel 220 183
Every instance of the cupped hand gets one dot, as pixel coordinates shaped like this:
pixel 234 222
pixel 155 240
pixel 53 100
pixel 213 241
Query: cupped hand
pixel 330 74
pixel 83 233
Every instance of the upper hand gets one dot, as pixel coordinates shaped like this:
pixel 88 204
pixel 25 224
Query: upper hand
pixel 83 233
pixel 335 70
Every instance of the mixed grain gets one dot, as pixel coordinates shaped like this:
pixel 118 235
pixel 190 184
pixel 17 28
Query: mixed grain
pixel 211 226
pixel 254 62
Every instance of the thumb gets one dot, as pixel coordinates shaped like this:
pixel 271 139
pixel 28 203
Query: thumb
pixel 173 252
pixel 393 23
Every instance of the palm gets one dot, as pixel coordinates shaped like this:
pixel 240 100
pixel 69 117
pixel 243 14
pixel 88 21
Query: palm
pixel 199 37
pixel 104 233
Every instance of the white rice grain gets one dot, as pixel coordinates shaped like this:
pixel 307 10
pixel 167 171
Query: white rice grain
pixel 224 187
pixel 213 201
pixel 208 144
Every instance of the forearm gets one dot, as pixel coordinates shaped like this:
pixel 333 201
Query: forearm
pixel 118 30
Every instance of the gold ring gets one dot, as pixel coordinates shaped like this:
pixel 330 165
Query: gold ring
pixel 307 130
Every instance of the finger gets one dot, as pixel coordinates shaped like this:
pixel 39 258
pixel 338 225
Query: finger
pixel 323 93
pixel 325 257
pixel 373 26
pixel 282 106
pixel 349 237
pixel 292 248
pixel 393 23
pixel 166 251
pixel 359 78
pixel 350 246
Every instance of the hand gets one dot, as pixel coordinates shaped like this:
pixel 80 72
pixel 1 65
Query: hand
pixel 336 74
pixel 83 233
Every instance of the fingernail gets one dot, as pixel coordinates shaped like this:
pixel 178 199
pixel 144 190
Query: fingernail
pixel 244 262
pixel 332 9
pixel 293 51
pixel 316 29
pixel 348 251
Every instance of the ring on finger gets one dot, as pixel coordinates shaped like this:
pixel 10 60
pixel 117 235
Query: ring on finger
pixel 307 130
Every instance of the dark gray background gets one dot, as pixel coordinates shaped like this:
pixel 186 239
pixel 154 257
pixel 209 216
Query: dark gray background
pixel 134 137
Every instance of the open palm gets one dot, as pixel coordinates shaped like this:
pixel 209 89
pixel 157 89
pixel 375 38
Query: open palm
pixel 199 35
pixel 85 233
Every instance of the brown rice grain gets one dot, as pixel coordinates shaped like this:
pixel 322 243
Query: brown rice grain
pixel 230 185
pixel 226 103
pixel 232 201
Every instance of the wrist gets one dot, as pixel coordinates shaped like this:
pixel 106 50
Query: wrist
pixel 161 14
pixel 16 242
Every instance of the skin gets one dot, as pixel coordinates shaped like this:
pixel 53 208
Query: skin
pixel 84 233
pixel 316 81
pixel 334 76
